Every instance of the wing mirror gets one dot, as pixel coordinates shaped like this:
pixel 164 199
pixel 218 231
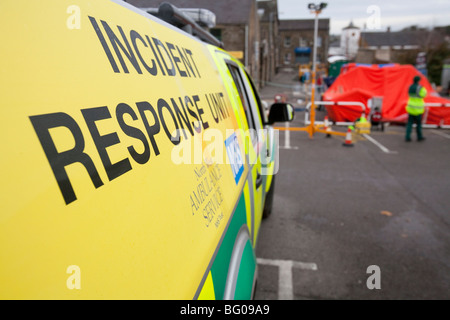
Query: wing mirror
pixel 281 112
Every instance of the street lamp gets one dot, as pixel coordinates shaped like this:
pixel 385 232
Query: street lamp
pixel 316 9
pixel 311 128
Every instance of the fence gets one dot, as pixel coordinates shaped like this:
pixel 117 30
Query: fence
pixel 364 109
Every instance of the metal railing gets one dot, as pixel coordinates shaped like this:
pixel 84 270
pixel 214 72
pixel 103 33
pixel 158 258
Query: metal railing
pixel 333 103
pixel 364 108
pixel 425 115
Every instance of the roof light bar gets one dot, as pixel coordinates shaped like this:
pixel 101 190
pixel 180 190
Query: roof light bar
pixel 183 19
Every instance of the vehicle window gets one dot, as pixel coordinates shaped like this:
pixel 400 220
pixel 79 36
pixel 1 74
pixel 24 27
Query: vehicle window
pixel 243 95
pixel 262 112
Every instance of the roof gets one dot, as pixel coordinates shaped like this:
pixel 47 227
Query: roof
pixel 350 26
pixel 400 38
pixel 220 8
pixel 303 24
pixel 335 43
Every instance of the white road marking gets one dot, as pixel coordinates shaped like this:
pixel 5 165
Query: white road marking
pixel 379 145
pixel 439 133
pixel 285 286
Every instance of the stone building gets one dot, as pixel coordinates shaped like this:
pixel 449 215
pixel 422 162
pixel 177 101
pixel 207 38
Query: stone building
pixel 296 41
pixel 269 50
pixel 388 46
pixel 237 26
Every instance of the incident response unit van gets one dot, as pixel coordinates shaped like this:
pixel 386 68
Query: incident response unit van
pixel 137 161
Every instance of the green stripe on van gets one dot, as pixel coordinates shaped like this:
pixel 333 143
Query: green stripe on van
pixel 219 269
pixel 244 285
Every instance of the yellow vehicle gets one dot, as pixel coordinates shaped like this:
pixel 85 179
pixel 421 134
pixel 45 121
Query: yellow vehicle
pixel 305 71
pixel 137 162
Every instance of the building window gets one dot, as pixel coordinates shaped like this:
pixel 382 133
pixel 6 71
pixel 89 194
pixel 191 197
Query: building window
pixel 302 58
pixel 287 42
pixel 287 58
pixel 303 42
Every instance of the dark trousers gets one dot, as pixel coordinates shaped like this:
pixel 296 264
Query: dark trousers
pixel 411 120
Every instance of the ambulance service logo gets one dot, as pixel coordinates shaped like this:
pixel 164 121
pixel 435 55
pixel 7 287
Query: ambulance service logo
pixel 235 157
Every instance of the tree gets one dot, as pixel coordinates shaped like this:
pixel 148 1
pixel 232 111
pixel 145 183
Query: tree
pixel 435 61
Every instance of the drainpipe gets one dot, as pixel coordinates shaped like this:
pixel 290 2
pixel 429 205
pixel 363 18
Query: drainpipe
pixel 271 46
pixel 246 45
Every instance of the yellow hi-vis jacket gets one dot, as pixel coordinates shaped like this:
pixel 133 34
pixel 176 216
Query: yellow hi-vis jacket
pixel 416 105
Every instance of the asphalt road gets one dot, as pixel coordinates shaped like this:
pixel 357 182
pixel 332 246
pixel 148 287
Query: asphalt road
pixel 370 221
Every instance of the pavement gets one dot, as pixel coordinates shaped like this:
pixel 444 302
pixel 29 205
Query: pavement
pixel 285 83
pixel 370 221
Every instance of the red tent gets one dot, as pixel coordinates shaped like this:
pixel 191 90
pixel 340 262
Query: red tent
pixel 391 82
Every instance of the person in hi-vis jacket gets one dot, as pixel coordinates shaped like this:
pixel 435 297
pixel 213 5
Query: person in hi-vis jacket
pixel 415 108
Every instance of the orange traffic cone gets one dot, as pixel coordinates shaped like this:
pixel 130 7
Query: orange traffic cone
pixel 348 139
pixel 326 127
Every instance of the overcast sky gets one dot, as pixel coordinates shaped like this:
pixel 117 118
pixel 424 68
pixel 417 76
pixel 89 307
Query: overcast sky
pixel 376 15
